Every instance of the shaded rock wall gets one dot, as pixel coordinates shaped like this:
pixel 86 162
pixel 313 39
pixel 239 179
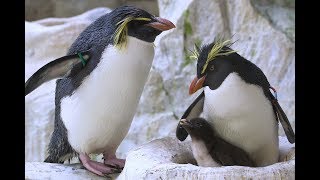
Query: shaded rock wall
pixel 39 9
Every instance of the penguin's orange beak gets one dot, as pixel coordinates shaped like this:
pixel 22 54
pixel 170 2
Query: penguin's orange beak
pixel 196 84
pixel 161 24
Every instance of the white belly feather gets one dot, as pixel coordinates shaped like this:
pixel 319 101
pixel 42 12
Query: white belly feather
pixel 201 154
pixel 243 116
pixel 99 113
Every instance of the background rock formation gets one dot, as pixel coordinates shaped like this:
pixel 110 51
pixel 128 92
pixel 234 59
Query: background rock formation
pixel 264 31
pixel 39 9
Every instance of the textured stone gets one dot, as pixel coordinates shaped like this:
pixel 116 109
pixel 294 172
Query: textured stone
pixel 38 170
pixel 39 9
pixel 281 14
pixel 170 159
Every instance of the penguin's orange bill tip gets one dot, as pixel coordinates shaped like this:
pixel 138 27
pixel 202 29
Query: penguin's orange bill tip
pixel 196 84
pixel 161 24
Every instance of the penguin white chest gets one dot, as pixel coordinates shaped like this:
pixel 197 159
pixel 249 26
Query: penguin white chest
pixel 100 111
pixel 243 116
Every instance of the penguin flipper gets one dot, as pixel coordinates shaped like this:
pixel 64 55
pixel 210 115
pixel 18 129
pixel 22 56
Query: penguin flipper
pixel 194 110
pixel 58 68
pixel 281 116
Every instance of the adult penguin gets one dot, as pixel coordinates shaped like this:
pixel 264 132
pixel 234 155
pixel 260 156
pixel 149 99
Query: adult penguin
pixel 237 101
pixel 100 83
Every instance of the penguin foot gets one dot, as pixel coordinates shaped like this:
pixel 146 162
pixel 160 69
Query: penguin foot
pixel 113 161
pixel 96 167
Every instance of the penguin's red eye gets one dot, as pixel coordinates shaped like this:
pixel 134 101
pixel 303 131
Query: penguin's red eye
pixel 212 68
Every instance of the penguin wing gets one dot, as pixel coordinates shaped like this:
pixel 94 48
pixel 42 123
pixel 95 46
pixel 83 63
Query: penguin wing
pixel 282 117
pixel 194 110
pixel 58 68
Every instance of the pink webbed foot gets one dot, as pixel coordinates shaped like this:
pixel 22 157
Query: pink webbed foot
pixel 96 167
pixel 113 161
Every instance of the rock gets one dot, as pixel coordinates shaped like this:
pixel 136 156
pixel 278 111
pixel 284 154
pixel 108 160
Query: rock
pixel 168 158
pixel 37 9
pixel 280 13
pixel 46 40
pixel 39 170
pixel 147 127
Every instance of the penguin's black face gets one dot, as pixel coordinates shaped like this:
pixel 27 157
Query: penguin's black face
pixel 212 72
pixel 197 127
pixel 216 72
pixel 148 31
pixel 143 25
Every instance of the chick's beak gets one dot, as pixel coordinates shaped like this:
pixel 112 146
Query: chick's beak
pixel 184 122
pixel 161 24
pixel 196 84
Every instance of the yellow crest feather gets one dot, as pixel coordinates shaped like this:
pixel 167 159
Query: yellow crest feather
pixel 194 53
pixel 121 33
pixel 216 51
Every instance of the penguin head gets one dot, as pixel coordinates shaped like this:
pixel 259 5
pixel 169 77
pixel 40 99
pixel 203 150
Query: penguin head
pixel 138 23
pixel 215 62
pixel 197 128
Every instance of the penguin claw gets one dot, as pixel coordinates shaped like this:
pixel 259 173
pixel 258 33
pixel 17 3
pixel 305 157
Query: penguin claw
pixel 113 161
pixel 116 166
pixel 98 168
pixel 107 176
pixel 116 170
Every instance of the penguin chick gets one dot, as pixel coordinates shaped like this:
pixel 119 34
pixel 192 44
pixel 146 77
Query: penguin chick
pixel 237 102
pixel 209 149
pixel 97 93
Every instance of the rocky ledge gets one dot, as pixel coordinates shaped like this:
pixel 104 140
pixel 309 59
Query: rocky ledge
pixel 168 158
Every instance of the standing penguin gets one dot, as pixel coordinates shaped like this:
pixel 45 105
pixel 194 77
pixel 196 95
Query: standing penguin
pixel 237 102
pixel 101 81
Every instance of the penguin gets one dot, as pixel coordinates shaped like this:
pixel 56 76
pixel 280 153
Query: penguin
pixel 236 100
pixel 98 87
pixel 209 149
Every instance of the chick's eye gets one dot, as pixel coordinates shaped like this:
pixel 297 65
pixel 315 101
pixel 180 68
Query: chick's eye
pixel 212 68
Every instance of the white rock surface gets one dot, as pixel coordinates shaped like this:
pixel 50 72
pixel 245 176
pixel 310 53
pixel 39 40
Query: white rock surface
pixel 35 9
pixel 39 170
pixel 165 95
pixel 170 159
